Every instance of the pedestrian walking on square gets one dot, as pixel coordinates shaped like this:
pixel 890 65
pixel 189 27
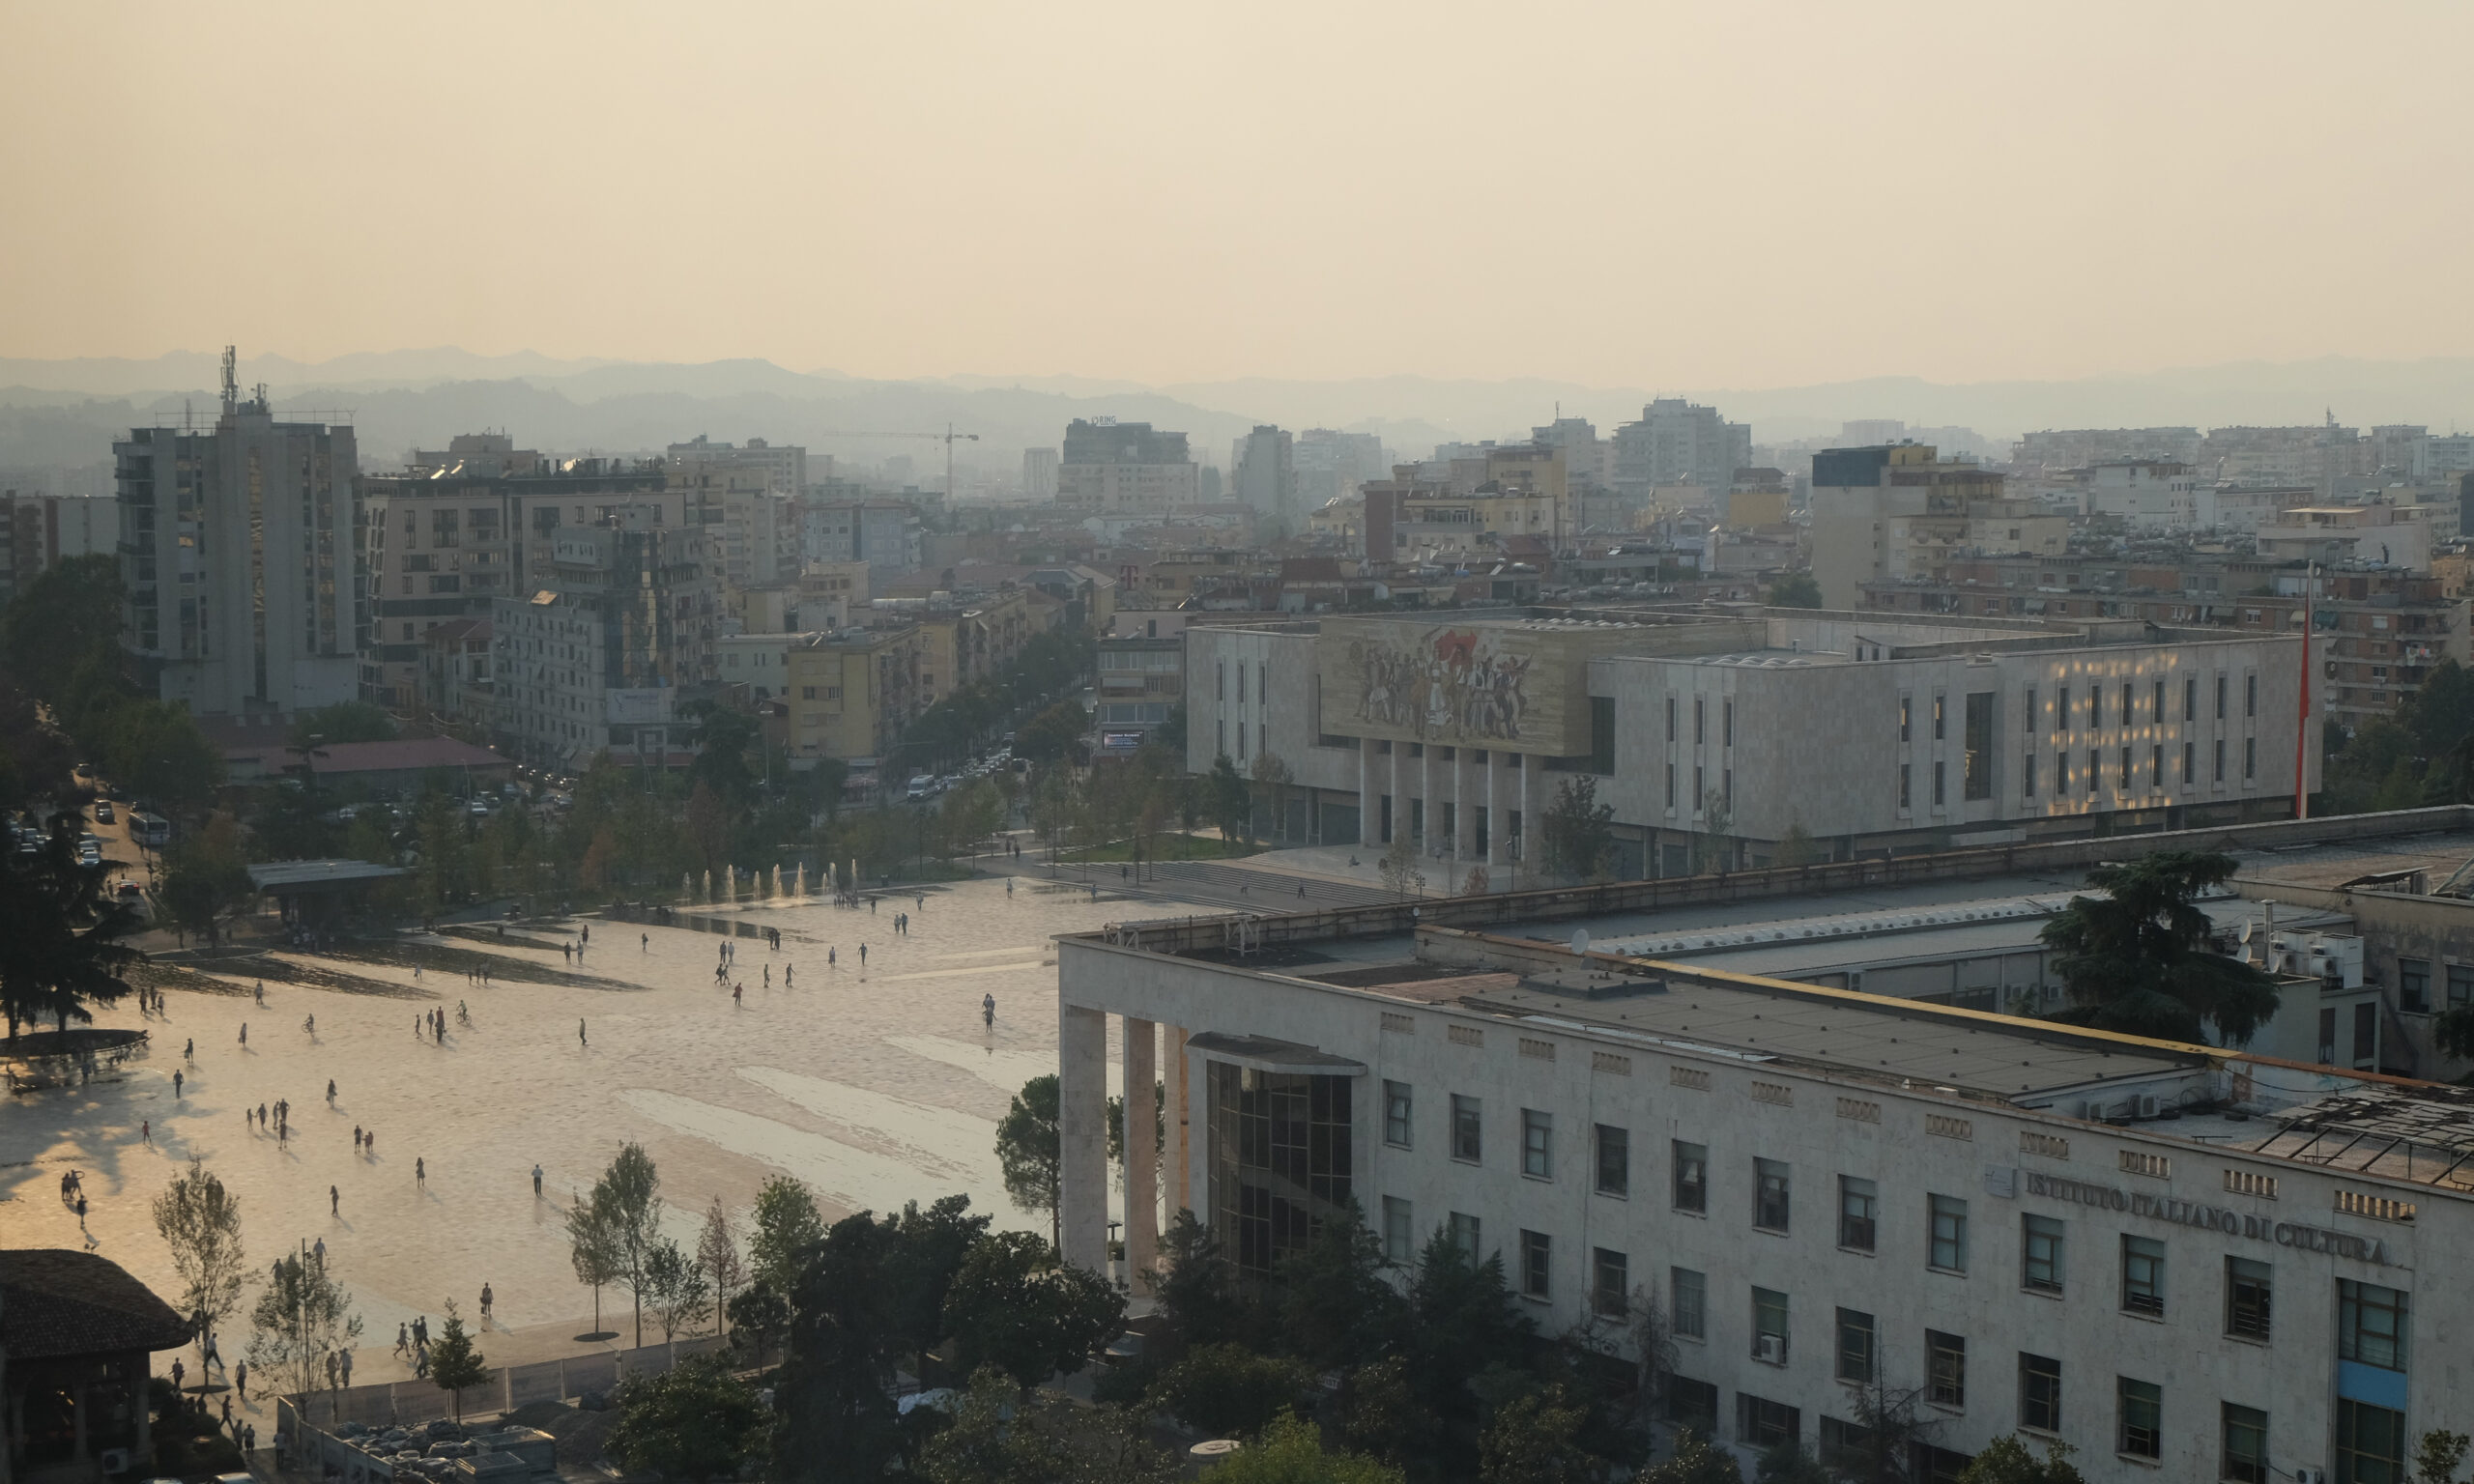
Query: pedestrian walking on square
pixel 240 1380
pixel 647 941
pixel 403 1338
pixel 188 1053
pixel 536 1182
pixel 262 991
pixel 580 1041
pixel 146 1131
pixel 176 1086
pixel 331 1092
pixel 319 1251
pixel 420 1173
pixel 988 1011
pixel 485 1302
pixel 245 1033
pixel 334 1202
pixel 347 1368
pixel 788 970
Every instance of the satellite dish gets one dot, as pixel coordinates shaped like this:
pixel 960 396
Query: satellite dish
pixel 1580 940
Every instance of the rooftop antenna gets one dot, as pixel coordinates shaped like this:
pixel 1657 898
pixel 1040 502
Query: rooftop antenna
pixel 231 381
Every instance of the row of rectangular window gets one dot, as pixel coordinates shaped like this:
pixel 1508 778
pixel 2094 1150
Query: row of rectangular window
pixel 2124 714
pixel 2372 1330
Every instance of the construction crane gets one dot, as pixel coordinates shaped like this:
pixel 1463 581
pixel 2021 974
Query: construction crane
pixel 948 438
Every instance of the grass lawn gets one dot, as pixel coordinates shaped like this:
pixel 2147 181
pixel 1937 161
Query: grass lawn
pixel 1166 848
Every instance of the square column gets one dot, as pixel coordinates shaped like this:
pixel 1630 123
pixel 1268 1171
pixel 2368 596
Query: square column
pixel 1141 1149
pixel 1494 821
pixel 1082 1135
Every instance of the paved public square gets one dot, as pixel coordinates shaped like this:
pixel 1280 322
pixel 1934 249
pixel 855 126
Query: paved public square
pixel 875 1086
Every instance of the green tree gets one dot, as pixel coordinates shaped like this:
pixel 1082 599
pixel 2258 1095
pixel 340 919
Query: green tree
pixel 1197 1293
pixel 717 1253
pixel 1029 1148
pixel 678 1286
pixel 2438 1457
pixel 1399 867
pixel 1228 802
pixel 346 721
pixel 302 1318
pixel 454 1365
pixel 1382 1414
pixel 1016 1307
pixel 1713 844
pixel 762 1312
pixel 155 748
pixel 694 1421
pixel 1337 1308
pixel 1054 735
pixel 60 947
pixel 1795 847
pixel 628 1200
pixel 788 1225
pixel 1797 589
pixel 592 1248
pixel 204 878
pixel 2137 960
pixel 1693 1462
pixel 929 1249
pixel 1536 1440
pixel 1000 1436
pixel 1273 772
pixel 722 739
pixel 1224 1390
pixel 70 612
pixel 1290 1451
pixel 200 1223
pixel 1578 832
pixel 2008 1461
pixel 1789 1462
pixel 1462 1319
pixel 837 1422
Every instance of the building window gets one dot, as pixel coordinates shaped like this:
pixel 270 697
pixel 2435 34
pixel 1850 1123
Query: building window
pixel 2027 720
pixel 1976 780
pixel 1726 723
pixel 2370 1325
pixel 1906 718
pixel 1941 786
pixel 2370 1444
pixel 1770 1325
pixel 2143 1277
pixel 2124 785
pixel 2096 707
pixel 1280 1159
pixel 2191 698
pixel 2460 984
pixel 1905 778
pixel 2061 708
pixel 1465 1128
pixel 2219 697
pixel 2027 776
pixel 1670 786
pixel 1855 1346
pixel 1691 1176
pixel 2220 759
pixel 2248 1290
pixel 2250 758
pixel 1859 1210
pixel 1537 1144
pixel 1670 718
pixel 1465 1233
pixel 1945 1369
pixel 2156 766
pixel 2189 764
pixel 1396 1105
pixel 2246 1444
pixel 1537 1265
pixel 1763 1423
pixel 1950 1235
pixel 1690 1302
pixel 2040 1254
pixel 1400 1234
pixel 2039 1393
pixel 2250 695
pixel 1769 1195
pixel 2141 1406
pixel 2095 770
pixel 1941 726
pixel 1614 1160
pixel 1610 1291
pixel 1699 721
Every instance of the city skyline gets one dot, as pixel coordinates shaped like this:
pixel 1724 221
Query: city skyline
pixel 920 186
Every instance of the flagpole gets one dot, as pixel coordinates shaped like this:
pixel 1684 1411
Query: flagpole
pixel 2302 719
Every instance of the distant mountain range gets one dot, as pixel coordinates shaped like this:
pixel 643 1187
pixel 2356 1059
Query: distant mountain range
pixel 58 413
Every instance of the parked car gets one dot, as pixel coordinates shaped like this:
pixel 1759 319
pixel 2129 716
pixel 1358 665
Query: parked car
pixel 103 812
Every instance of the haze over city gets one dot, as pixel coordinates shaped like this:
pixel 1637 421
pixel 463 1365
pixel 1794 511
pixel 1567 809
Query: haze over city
pixel 1573 744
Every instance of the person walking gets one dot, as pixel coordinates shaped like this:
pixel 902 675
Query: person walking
pixel 988 1011
pixel 736 990
pixel 262 991
pixel 830 958
pixel 310 1024
pixel 188 1053
pixel 403 1338
pixel 580 1041
pixel 863 956
pixel 146 1131
pixel 788 970
pixel 485 1303
pixel 334 1202
pixel 356 1138
pixel 347 1354
pixel 176 1085
pixel 420 1173
pixel 319 1251
pixel 240 1380
pixel 369 1144
pixel 331 1092
pixel 536 1182
pixel 245 1033
pixel 647 941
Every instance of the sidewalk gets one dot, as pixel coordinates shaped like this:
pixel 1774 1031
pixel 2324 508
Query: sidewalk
pixel 376 1360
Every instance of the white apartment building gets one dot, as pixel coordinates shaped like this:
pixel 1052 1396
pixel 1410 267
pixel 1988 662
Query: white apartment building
pixel 782 469
pixel 1113 468
pixel 1715 737
pixel 2183 1261
pixel 238 549
pixel 595 657
pixel 2146 495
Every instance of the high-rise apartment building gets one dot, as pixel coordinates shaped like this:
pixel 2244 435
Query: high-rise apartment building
pixel 1265 483
pixel 1331 466
pixel 594 656
pixel 1897 512
pixel 783 470
pixel 1113 468
pixel 1676 441
pixel 465 528
pixel 237 548
pixel 1038 473
pixel 40 531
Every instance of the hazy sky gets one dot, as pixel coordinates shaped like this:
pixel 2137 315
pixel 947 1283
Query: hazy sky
pixel 1725 193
